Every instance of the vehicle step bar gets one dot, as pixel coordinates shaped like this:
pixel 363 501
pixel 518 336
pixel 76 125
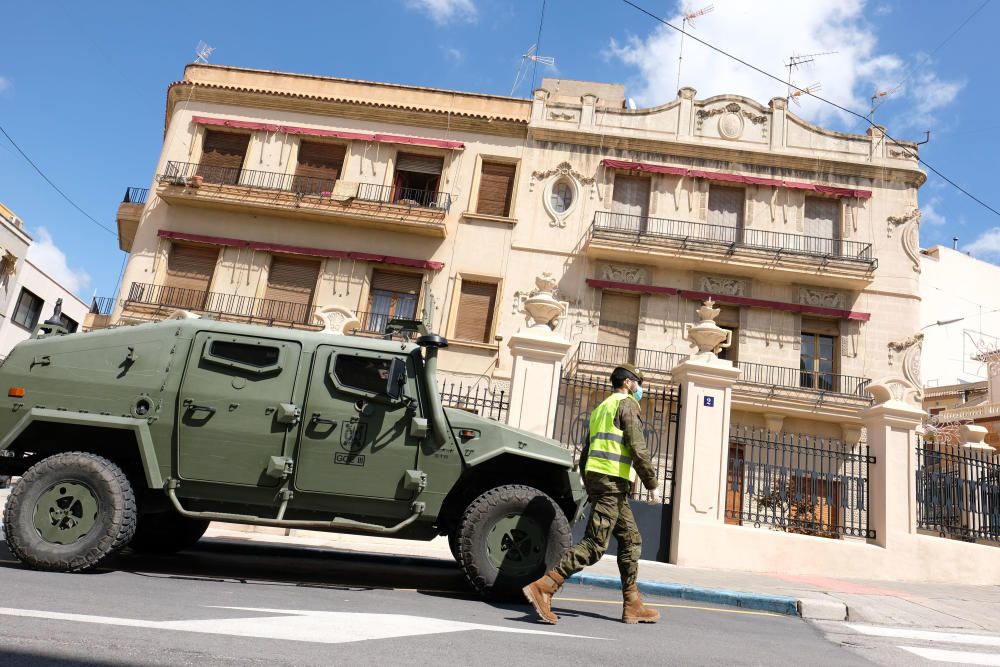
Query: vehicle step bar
pixel 333 524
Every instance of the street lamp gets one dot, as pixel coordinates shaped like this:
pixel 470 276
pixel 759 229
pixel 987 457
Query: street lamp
pixel 941 323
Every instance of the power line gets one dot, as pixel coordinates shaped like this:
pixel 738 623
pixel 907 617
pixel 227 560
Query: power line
pixel 54 186
pixel 538 47
pixel 821 99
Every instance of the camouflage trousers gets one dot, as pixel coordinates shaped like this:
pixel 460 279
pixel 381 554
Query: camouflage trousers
pixel 610 514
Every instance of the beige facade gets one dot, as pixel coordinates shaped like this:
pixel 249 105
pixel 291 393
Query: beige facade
pixel 304 201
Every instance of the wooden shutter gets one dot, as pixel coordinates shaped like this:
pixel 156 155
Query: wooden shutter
pixel 619 323
pixel 292 279
pixel 725 206
pixel 496 184
pixel 631 195
pixel 319 167
pixel 222 155
pixel 421 164
pixel 401 283
pixel 475 311
pixel 191 267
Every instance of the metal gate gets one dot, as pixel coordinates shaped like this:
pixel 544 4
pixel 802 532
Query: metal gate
pixel 660 407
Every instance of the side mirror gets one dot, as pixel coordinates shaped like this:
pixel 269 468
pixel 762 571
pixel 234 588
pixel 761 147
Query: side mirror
pixel 397 379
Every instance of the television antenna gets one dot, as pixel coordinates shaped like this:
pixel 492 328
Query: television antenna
pixel 202 52
pixel 688 19
pixel 878 99
pixel 808 90
pixel 796 61
pixel 532 57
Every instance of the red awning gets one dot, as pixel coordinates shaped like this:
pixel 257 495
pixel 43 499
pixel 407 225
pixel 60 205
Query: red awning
pixel 240 124
pixel 724 177
pixel 301 250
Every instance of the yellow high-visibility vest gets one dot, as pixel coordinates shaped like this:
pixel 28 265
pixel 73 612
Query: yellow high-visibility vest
pixel 608 454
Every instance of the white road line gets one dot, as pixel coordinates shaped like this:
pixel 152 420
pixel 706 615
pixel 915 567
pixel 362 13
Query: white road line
pixel 324 627
pixel 925 635
pixel 962 657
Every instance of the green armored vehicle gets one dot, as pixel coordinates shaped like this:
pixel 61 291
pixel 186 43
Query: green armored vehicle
pixel 140 436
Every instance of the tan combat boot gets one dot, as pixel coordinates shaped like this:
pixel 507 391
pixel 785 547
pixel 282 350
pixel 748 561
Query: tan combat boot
pixel 634 611
pixel 540 592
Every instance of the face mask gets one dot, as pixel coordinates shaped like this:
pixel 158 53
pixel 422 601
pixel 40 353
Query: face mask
pixel 637 394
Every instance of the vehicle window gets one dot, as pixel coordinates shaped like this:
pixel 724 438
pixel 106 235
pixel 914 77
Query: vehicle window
pixel 365 373
pixel 258 356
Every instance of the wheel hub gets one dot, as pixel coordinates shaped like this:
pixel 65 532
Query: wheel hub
pixel 516 544
pixel 65 512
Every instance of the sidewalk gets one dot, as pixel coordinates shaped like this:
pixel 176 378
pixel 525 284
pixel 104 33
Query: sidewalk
pixel 966 607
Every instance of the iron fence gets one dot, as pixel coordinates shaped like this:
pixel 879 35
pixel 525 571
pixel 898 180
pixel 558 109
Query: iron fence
pixel 251 308
pixel 580 393
pixel 180 172
pixel 135 195
pixel 102 305
pixel 619 225
pixel 493 403
pixel 797 378
pixel 615 355
pixel 797 483
pixel 958 491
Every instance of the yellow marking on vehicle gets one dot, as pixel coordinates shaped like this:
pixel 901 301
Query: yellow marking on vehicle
pixel 675 606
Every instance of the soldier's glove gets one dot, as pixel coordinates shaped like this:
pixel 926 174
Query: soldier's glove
pixel 651 485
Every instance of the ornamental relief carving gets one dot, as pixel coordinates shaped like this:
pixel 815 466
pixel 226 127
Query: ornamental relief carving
pixel 901 346
pixel 563 169
pixel 895 221
pixel 623 273
pixel 723 286
pixel 911 242
pixel 809 296
pixel 732 123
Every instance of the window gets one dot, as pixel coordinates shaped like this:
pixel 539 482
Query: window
pixel 417 179
pixel 822 225
pixel 392 296
pixel 729 319
pixel 817 360
pixel 476 304
pixel 725 210
pixel 222 155
pixel 562 196
pixel 189 273
pixel 70 324
pixel 496 186
pixel 290 285
pixel 318 168
pixel 368 374
pixel 29 307
pixel 631 195
pixel 245 354
pixel 619 326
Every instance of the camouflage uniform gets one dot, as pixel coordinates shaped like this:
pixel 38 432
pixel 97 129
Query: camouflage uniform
pixel 610 513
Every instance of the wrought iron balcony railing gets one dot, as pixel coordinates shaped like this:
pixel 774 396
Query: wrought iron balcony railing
pixel 615 355
pixel 796 378
pixel 620 226
pixel 135 195
pixel 180 172
pixel 102 305
pixel 251 308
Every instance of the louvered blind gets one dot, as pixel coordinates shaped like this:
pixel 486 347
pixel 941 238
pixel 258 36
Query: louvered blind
pixel 222 155
pixel 476 304
pixel 292 279
pixel 319 167
pixel 421 164
pixel 821 217
pixel 496 184
pixel 190 267
pixel 725 206
pixel 401 283
pixel 631 195
pixel 619 324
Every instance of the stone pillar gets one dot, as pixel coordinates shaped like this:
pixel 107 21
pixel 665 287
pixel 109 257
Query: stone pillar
pixel 538 353
pixel 976 456
pixel 685 111
pixel 702 449
pixel 778 105
pixel 891 425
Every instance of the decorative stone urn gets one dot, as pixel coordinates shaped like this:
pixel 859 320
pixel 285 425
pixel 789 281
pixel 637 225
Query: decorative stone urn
pixel 707 335
pixel 541 305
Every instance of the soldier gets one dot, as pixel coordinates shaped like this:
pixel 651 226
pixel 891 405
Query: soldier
pixel 616 453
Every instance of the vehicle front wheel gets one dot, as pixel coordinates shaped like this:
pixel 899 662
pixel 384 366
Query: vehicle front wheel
pixel 508 537
pixel 167 533
pixel 69 512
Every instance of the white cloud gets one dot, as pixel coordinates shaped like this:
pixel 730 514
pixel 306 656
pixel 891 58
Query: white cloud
pixel 928 94
pixel 47 256
pixel 4 83
pixel 929 213
pixel 454 55
pixel 987 245
pixel 883 10
pixel 443 11
pixel 765 35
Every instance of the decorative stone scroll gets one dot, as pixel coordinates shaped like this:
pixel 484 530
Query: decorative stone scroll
pixel 623 273
pixel 895 221
pixel 809 296
pixel 724 286
pixel 563 169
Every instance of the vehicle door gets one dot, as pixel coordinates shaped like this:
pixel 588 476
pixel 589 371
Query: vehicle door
pixel 234 408
pixel 355 439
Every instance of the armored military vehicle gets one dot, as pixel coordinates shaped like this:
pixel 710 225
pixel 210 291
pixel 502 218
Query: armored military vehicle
pixel 139 436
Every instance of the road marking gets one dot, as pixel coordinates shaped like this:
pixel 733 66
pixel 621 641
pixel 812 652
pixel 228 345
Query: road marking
pixel 675 606
pixel 323 627
pixel 926 635
pixel 963 657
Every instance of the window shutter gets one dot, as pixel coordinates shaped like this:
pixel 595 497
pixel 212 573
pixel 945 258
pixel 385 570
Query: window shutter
pixel 319 167
pixel 292 279
pixel 631 195
pixel 496 184
pixel 222 155
pixel 402 283
pixel 191 267
pixel 421 164
pixel 475 311
pixel 619 324
pixel 725 206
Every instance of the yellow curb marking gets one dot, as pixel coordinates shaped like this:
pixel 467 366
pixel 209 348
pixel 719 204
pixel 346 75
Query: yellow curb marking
pixel 676 606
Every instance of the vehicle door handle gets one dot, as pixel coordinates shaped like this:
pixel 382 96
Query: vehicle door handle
pixel 191 406
pixel 317 419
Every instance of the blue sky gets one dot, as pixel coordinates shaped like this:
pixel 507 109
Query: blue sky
pixel 82 88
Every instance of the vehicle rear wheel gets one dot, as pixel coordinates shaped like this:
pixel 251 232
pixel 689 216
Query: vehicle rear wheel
pixel 69 512
pixel 167 533
pixel 508 537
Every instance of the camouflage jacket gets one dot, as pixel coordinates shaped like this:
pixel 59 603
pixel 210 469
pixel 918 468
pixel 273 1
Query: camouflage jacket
pixel 628 420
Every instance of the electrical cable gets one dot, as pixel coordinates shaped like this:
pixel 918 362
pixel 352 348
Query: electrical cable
pixel 54 186
pixel 821 99
pixel 538 46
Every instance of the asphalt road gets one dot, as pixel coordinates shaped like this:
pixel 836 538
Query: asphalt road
pixel 231 602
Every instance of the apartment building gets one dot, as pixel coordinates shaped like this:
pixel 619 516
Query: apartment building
pixel 307 201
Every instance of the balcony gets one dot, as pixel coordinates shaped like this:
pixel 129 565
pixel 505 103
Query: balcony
pixel 152 302
pixel 737 251
pixel 780 377
pixel 249 191
pixel 99 315
pixel 129 212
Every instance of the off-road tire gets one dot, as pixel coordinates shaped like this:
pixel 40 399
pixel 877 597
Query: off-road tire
pixel 481 520
pixel 113 522
pixel 453 545
pixel 167 533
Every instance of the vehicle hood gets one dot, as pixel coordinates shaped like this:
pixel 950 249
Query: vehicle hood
pixel 494 438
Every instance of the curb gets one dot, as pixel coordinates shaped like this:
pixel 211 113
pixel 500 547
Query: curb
pixel 777 604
